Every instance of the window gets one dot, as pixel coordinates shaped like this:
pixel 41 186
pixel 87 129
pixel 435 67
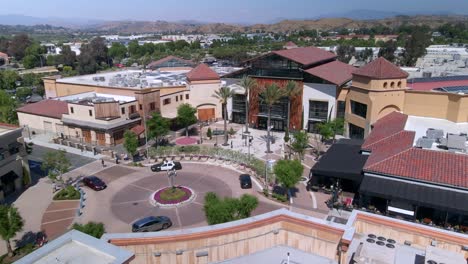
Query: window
pixel 359 109
pixel 132 109
pixel 123 110
pixel 385 85
pixel 392 84
pixel 72 110
pixel 340 109
pixel 355 131
pixel 186 97
pixel 399 84
pixel 177 98
pixel 167 101
pixel 141 107
pixel 181 97
pixel 152 106
pixel 318 110
pixel 90 112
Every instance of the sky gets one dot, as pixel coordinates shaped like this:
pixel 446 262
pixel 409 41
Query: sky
pixel 230 11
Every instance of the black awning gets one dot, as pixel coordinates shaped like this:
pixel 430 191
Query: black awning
pixel 9 177
pixel 343 160
pixel 422 195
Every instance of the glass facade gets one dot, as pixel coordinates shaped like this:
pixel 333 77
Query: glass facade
pixel 359 109
pixel 318 110
pixel 274 66
pixel 355 131
pixel 340 109
pixel 238 109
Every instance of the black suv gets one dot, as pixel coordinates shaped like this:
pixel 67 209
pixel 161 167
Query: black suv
pixel 245 181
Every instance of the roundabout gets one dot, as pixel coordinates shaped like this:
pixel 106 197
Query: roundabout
pixel 132 193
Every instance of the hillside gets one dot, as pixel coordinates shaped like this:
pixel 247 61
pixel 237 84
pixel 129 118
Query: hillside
pixel 128 27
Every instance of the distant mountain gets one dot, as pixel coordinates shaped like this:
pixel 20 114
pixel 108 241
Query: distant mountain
pixel 54 21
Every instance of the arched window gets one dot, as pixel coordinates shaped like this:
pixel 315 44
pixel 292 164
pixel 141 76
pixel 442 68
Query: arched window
pixel 392 84
pixel 385 85
pixel 399 84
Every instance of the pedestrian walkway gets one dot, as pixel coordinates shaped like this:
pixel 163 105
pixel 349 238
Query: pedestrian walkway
pixel 58 217
pixel 45 141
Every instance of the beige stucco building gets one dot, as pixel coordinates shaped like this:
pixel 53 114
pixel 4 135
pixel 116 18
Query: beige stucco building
pixel 380 88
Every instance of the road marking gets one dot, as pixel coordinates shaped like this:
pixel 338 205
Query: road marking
pixel 137 201
pixel 312 195
pixel 59 220
pixel 60 210
pixel 143 188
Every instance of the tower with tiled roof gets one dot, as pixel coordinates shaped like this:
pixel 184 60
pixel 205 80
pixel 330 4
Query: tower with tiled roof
pixel 378 89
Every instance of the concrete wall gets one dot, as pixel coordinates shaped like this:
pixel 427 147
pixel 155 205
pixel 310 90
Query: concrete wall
pixel 319 92
pixel 36 123
pixel 170 110
pixel 378 85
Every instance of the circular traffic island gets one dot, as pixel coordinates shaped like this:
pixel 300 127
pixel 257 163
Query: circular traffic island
pixel 172 196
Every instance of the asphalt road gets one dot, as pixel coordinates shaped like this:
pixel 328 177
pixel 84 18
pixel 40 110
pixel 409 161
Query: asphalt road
pixel 75 160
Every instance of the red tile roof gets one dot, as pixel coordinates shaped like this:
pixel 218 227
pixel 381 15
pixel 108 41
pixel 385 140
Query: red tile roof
pixel 201 73
pixel 426 165
pixel 428 86
pixel 48 108
pixel 290 44
pixel 384 128
pixel 390 146
pixel 168 58
pixel 335 72
pixel 3 54
pixel 305 55
pixel 381 69
pixel 138 129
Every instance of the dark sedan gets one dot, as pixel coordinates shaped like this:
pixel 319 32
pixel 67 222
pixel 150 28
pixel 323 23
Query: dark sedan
pixel 94 183
pixel 151 223
pixel 245 181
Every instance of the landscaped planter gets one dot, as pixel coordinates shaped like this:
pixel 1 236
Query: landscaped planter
pixel 162 197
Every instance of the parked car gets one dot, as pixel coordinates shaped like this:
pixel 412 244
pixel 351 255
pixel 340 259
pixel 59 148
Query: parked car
pixel 245 181
pixel 151 223
pixel 94 183
pixel 166 166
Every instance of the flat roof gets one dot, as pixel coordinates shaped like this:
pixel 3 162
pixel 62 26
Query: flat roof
pixel 134 79
pixel 279 255
pixel 75 247
pixel 420 125
pixel 92 97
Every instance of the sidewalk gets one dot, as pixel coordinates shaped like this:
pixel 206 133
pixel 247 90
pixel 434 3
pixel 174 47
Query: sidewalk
pixel 44 141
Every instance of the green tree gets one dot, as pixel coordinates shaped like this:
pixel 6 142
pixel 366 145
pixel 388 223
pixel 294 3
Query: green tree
pixel 270 95
pixel 86 62
pixel 223 94
pixel 300 143
pixel 345 53
pixel 329 130
pixel 92 228
pixel 57 163
pixel 18 45
pixel 117 51
pixel 23 92
pixel 130 142
pixel 11 223
pixel 7 109
pixel 288 172
pixel 209 133
pixel 415 47
pixel 228 209
pixel 134 49
pixel 388 50
pixel 8 79
pixel 186 116
pixel 157 126
pixel 68 56
pixel 248 84
pixel 290 91
pixel 30 61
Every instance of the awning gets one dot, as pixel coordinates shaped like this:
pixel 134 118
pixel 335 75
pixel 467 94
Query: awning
pixel 343 160
pixel 9 177
pixel 441 198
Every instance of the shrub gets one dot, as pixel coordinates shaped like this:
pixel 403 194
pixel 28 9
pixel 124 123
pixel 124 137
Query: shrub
pixel 279 197
pixel 266 192
pixel 69 193
pixel 209 134
pixel 219 211
pixel 232 132
pixel 92 228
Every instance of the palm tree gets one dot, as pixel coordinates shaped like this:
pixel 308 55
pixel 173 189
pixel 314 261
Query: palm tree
pixel 248 84
pixel 11 223
pixel 270 96
pixel 290 90
pixel 223 95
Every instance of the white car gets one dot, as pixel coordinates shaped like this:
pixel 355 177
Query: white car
pixel 166 166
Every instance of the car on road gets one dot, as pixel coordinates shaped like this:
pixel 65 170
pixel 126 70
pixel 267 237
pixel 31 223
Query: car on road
pixel 167 166
pixel 94 183
pixel 245 181
pixel 151 224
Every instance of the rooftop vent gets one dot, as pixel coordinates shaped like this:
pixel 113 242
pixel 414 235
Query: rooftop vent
pixel 425 142
pixel 434 133
pixel 456 142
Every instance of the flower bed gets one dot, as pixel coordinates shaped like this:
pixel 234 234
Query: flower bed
pixel 167 197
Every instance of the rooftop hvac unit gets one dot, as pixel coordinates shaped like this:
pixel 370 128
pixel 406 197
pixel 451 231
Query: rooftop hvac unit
pixel 425 142
pixel 102 78
pixel 456 141
pixel 96 79
pixel 434 133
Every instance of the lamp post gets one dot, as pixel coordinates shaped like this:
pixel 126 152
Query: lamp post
pixel 201 132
